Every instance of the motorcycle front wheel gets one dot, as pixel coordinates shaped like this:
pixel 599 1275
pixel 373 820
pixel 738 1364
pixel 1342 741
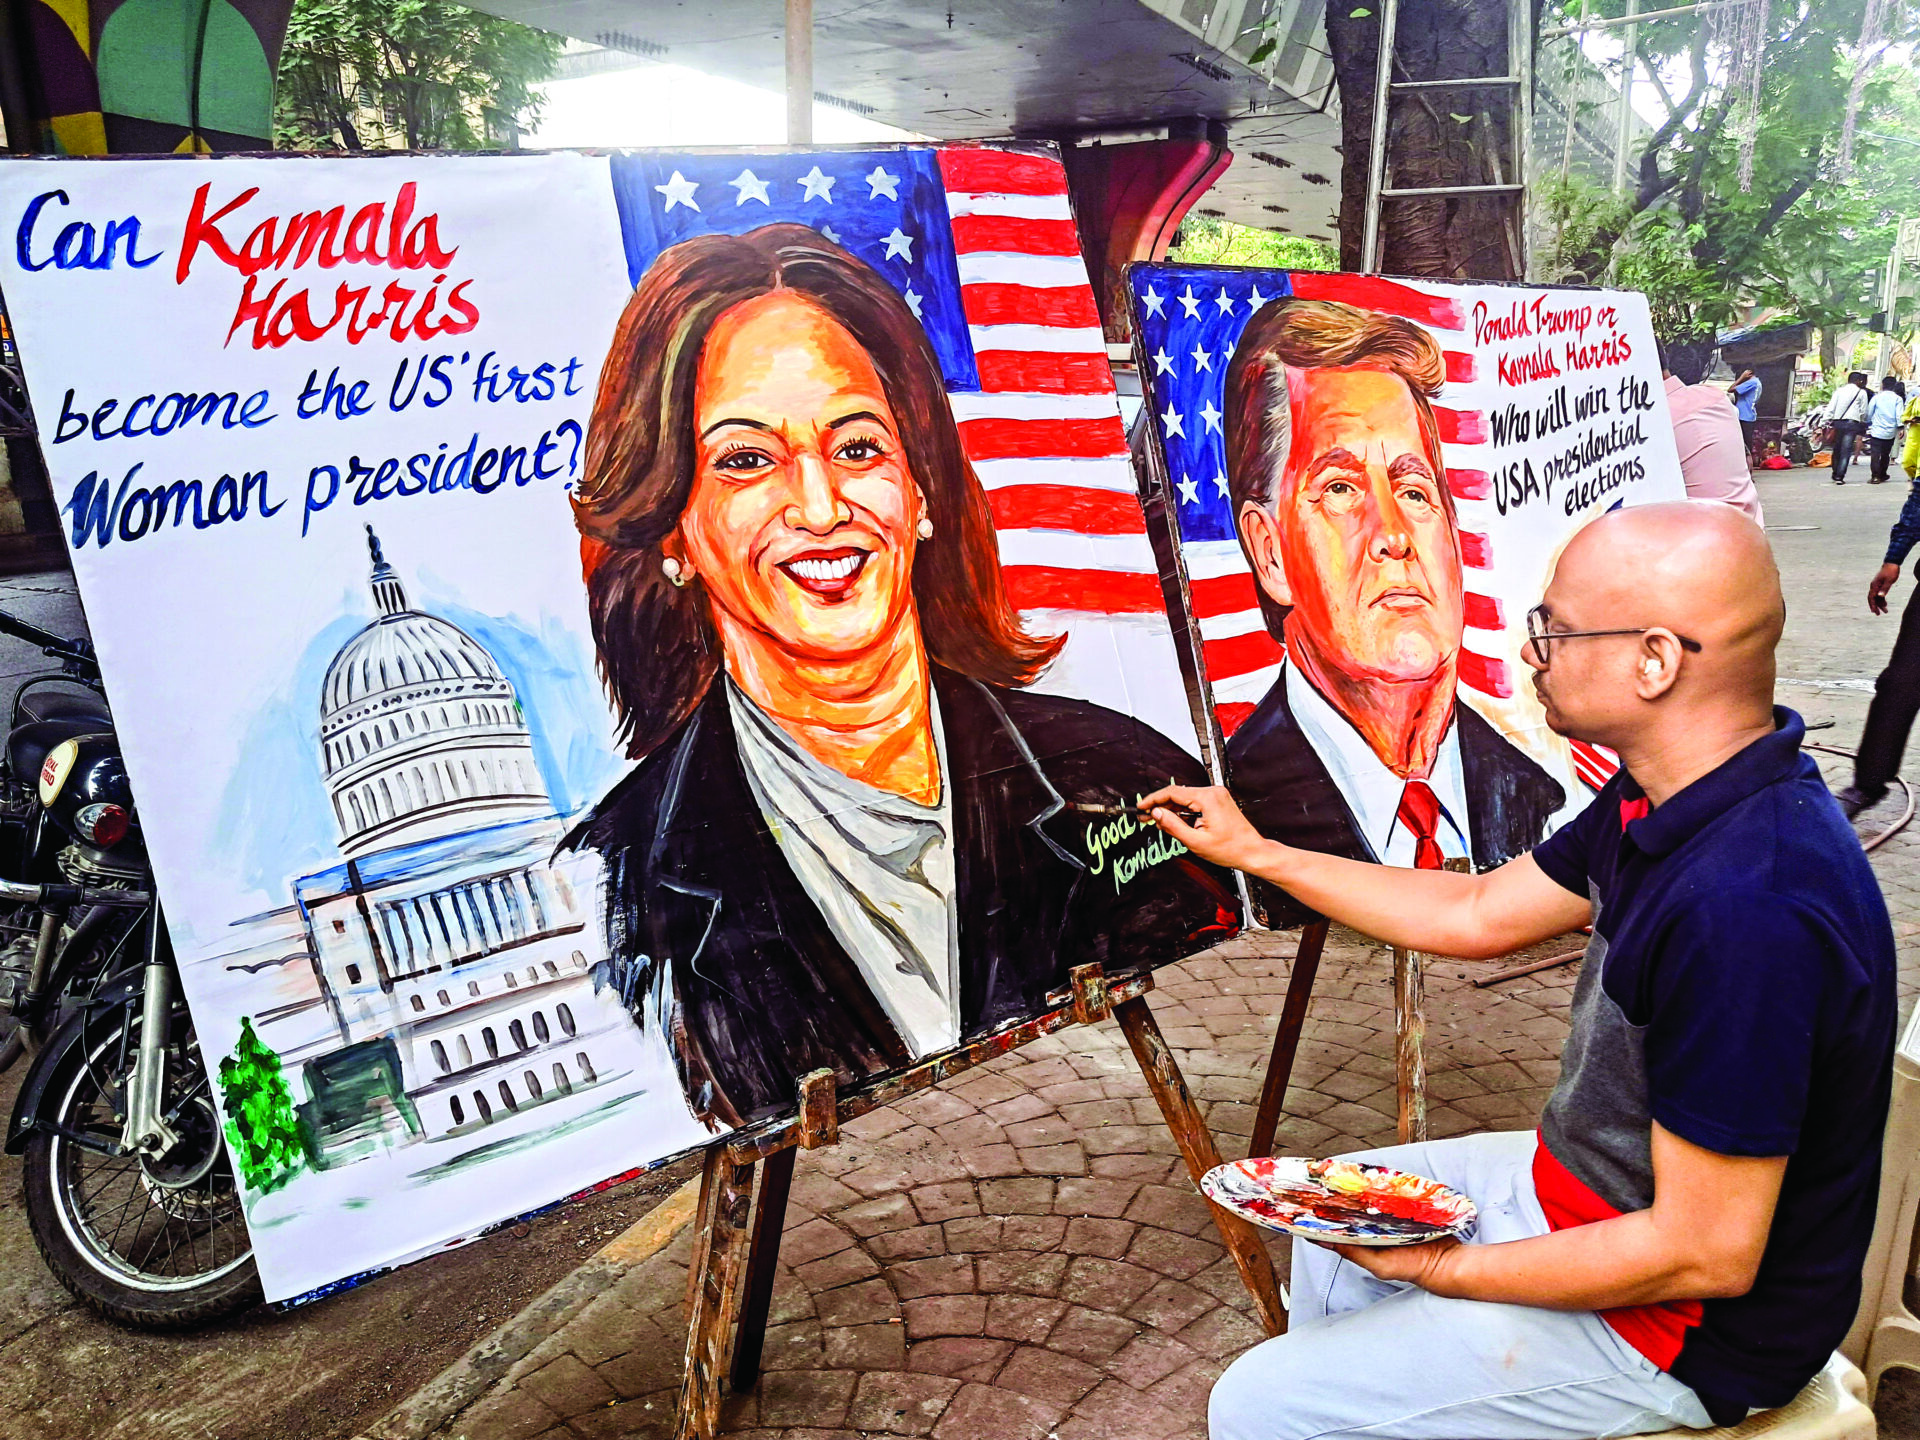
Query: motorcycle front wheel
pixel 157 1244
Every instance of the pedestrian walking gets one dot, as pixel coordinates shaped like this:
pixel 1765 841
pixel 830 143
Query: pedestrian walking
pixel 1847 419
pixel 1746 396
pixel 1883 426
pixel 1910 457
pixel 1896 694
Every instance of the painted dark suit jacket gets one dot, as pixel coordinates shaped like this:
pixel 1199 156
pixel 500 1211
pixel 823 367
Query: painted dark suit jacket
pixel 1288 793
pixel 761 990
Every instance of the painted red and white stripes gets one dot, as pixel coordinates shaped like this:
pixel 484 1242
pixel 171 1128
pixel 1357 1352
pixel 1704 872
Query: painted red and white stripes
pixel 1044 434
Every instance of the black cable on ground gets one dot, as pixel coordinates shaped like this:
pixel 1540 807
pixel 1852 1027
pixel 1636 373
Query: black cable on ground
pixel 1905 789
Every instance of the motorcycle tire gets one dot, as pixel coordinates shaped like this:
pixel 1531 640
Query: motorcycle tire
pixel 124 1275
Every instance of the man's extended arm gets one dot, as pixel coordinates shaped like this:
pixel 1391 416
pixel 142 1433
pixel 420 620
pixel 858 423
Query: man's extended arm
pixel 1701 1239
pixel 1436 910
pixel 1906 534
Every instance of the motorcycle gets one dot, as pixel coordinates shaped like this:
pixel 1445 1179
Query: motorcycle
pixel 1804 435
pixel 130 1191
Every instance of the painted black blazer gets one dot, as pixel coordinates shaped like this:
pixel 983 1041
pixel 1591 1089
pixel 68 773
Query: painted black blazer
pixel 759 990
pixel 1288 793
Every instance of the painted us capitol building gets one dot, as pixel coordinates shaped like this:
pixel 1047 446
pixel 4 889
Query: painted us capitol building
pixel 453 949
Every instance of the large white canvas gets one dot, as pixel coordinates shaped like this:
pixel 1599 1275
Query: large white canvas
pixel 1548 409
pixel 219 630
pixel 214 640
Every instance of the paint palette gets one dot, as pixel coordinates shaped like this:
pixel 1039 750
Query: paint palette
pixel 1347 1202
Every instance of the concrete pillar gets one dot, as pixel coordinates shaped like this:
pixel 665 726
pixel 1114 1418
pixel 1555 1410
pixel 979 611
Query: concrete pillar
pixel 1129 200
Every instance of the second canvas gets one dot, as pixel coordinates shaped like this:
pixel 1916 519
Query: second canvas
pixel 1368 483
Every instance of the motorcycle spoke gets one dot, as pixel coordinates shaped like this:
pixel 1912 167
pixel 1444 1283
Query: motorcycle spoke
pixel 120 1218
pixel 84 1203
pixel 153 1234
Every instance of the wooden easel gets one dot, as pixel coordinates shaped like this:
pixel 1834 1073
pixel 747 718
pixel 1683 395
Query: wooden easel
pixel 730 1279
pixel 1409 1035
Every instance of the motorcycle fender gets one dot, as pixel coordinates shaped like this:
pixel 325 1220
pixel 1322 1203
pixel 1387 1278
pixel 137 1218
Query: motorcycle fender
pixel 38 1100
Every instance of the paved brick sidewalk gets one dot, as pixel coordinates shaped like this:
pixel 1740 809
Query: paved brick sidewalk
pixel 1020 1254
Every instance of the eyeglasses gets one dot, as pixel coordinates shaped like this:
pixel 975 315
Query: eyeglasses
pixel 1541 639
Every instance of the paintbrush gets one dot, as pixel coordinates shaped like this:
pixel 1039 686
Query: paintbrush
pixel 1088 807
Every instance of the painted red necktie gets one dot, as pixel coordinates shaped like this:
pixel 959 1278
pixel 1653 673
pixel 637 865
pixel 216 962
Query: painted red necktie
pixel 1420 813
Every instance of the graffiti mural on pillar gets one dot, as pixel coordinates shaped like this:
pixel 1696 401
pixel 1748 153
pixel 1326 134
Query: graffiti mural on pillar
pixel 123 77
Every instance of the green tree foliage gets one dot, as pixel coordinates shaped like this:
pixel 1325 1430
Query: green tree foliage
pixel 262 1128
pixel 1824 261
pixel 1210 240
pixel 1654 256
pixel 1803 236
pixel 413 74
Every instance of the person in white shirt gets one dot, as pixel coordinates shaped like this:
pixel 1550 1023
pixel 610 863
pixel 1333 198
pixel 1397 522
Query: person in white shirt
pixel 1883 425
pixel 1847 416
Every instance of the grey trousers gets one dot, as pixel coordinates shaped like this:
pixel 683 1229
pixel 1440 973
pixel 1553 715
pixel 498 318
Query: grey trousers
pixel 1366 1358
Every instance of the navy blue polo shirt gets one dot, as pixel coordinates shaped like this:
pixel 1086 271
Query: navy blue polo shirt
pixel 1739 990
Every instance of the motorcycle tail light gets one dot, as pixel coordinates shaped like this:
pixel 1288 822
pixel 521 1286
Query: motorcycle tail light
pixel 102 825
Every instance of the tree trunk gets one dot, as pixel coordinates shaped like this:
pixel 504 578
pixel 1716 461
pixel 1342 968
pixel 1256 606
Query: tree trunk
pixel 1829 349
pixel 1447 137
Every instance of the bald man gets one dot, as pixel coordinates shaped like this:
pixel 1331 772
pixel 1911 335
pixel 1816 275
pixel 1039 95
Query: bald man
pixel 1681 1240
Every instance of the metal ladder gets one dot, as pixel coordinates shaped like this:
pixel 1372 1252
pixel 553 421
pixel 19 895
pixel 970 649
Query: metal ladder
pixel 1518 79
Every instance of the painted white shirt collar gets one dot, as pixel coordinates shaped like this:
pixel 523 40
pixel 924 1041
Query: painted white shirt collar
pixel 1371 790
pixel 879 866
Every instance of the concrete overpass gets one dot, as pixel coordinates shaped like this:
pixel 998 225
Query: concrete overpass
pixel 1156 103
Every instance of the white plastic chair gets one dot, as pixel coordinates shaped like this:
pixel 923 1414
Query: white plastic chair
pixel 1832 1407
pixel 1885 1332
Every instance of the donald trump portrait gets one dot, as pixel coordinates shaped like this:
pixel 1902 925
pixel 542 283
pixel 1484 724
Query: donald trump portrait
pixel 1340 502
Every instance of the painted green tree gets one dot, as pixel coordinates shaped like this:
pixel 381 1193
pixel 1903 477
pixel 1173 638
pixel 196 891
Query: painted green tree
pixel 262 1128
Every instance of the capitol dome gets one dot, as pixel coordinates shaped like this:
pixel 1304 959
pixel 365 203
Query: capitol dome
pixel 421 733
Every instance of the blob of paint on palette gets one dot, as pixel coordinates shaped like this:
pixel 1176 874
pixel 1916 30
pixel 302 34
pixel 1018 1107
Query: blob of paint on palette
pixel 1345 1201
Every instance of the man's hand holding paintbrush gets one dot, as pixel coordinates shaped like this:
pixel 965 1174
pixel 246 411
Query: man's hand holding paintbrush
pixel 1137 810
pixel 1209 823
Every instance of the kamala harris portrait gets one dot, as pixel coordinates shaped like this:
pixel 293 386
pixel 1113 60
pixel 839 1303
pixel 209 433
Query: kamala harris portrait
pixel 850 840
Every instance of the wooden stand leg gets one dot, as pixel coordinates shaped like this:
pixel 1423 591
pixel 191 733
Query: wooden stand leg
pixel 1190 1133
pixel 763 1257
pixel 819 1117
pixel 713 1282
pixel 1410 1033
pixel 1286 1040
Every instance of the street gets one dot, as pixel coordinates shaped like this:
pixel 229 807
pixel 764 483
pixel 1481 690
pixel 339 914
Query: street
pixel 332 1370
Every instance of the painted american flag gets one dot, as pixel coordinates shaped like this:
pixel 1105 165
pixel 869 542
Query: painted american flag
pixel 981 242
pixel 1188 321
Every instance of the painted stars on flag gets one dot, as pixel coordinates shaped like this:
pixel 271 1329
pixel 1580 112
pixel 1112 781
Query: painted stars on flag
pixel 888 207
pixel 1190 320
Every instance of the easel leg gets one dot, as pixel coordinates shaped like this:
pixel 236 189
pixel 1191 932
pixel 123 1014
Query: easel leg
pixel 1410 1034
pixel 763 1257
pixel 1286 1040
pixel 1190 1133
pixel 713 1282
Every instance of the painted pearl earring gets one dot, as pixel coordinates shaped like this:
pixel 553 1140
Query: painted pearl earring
pixel 675 572
pixel 924 529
